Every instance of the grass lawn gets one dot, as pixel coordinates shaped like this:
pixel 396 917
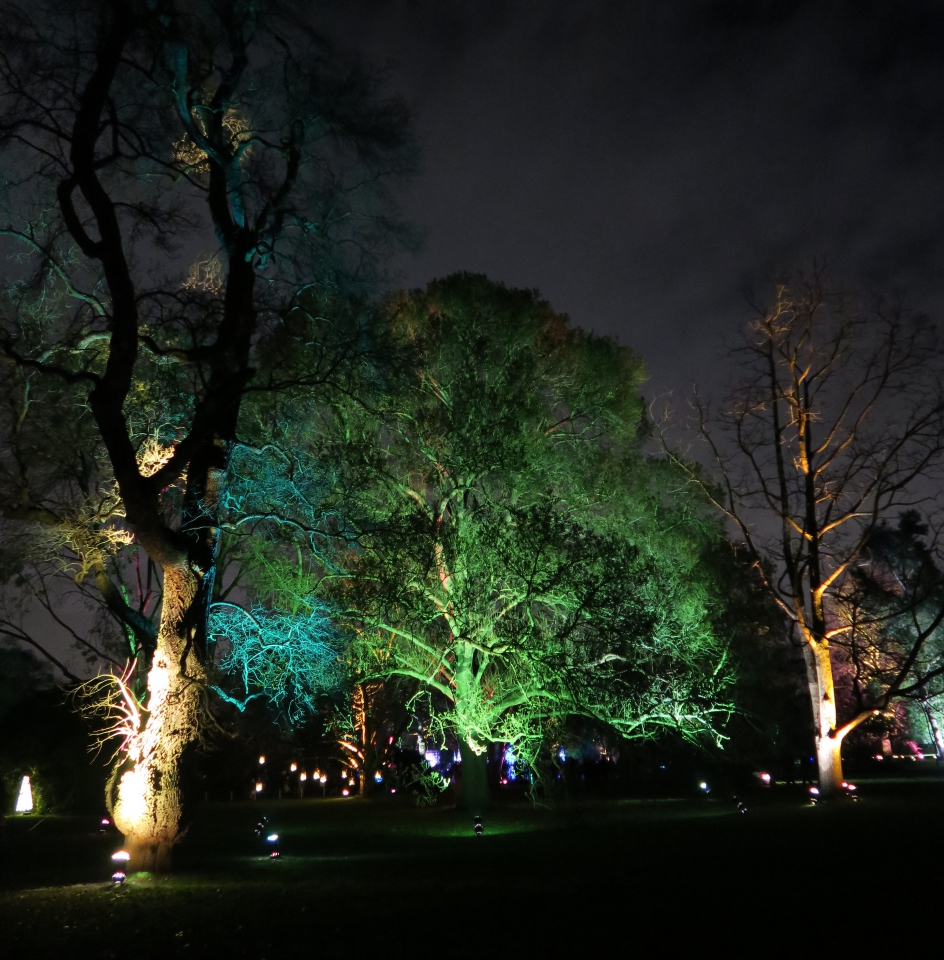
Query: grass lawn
pixel 616 878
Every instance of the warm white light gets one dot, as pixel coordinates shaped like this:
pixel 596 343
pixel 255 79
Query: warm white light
pixel 261 760
pixel 703 785
pixel 121 855
pixel 258 788
pixel 324 779
pixel 303 775
pixel 24 802
pixel 293 767
pixel 345 792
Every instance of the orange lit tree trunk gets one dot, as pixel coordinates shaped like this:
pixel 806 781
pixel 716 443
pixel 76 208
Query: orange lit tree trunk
pixel 149 802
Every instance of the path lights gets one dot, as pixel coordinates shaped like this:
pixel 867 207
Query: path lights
pixel 814 795
pixel 345 792
pixel 303 776
pixel 104 825
pixel 120 860
pixel 259 786
pixel 273 842
pixel 261 760
pixel 293 767
pixel 479 829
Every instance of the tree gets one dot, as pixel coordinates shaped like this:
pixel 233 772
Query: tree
pixel 509 549
pixel 893 604
pixel 838 422
pixel 136 134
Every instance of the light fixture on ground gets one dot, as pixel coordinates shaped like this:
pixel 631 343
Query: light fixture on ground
pixel 120 860
pixel 479 829
pixel 24 801
pixel 272 840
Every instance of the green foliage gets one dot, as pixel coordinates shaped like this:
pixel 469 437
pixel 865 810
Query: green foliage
pixel 516 554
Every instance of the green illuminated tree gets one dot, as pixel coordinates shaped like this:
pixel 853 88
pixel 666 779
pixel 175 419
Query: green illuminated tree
pixel 510 549
pixel 186 185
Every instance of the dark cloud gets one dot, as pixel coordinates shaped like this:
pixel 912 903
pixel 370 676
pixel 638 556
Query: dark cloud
pixel 644 163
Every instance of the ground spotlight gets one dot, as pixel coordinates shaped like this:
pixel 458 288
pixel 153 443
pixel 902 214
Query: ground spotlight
pixel 120 860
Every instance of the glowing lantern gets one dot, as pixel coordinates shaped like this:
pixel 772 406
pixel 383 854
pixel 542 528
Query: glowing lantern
pixel 24 802
pixel 293 767
pixel 261 760
pixel 303 776
pixel 259 787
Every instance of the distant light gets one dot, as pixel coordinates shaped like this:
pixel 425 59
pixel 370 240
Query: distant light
pixel 24 802
pixel 393 789
pixel 849 786
pixel 293 767
pixel 378 777
pixel 562 753
pixel 345 792
pixel 814 791
pixel 261 760
pixel 272 837
pixel 121 856
pixel 324 779
pixel 106 822
pixel 432 757
pixel 878 756
pixel 765 777
pixel 703 786
pixel 119 876
pixel 259 787
pixel 303 775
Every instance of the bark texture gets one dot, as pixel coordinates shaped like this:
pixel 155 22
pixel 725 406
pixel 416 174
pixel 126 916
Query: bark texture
pixel 149 804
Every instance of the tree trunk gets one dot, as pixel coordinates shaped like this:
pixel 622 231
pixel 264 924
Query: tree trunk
pixel 149 805
pixel 474 795
pixel 823 701
pixel 935 730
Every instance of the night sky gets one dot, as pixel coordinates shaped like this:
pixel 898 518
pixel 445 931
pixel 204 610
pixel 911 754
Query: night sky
pixel 647 165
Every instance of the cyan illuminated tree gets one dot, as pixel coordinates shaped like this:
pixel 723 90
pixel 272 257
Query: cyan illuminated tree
pixel 509 549
pixel 186 186
pixel 837 424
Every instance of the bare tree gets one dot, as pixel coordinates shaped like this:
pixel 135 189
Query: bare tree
pixel 836 424
pixel 188 183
